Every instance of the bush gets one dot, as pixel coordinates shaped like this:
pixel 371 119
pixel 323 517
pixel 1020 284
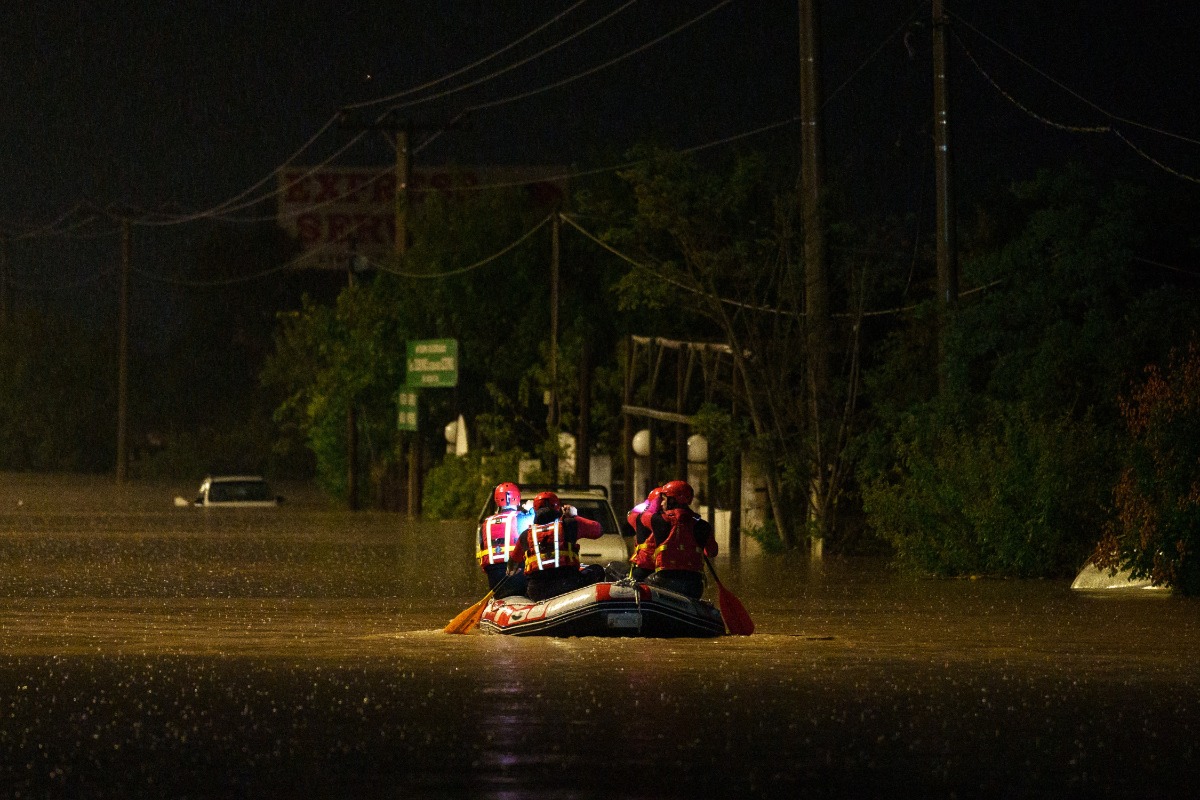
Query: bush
pixel 1156 531
pixel 767 536
pixel 458 487
pixel 1013 496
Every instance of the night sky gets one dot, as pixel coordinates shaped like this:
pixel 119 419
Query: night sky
pixel 178 106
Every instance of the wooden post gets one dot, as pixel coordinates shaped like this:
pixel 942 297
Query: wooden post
pixel 947 252
pixel 123 350
pixel 627 428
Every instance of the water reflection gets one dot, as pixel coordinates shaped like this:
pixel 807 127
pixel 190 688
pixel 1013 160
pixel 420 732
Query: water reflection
pixel 153 651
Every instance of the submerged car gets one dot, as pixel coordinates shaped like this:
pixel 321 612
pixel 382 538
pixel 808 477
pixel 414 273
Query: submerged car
pixel 592 503
pixel 234 491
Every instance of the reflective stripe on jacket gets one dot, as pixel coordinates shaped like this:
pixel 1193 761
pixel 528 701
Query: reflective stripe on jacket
pixel 550 547
pixel 679 549
pixel 497 538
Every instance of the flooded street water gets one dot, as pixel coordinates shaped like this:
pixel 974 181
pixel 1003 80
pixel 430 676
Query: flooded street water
pixel 153 651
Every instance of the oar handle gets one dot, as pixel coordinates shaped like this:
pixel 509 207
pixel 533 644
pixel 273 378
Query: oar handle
pixel 711 570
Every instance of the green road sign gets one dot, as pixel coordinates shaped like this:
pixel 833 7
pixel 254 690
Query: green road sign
pixel 433 363
pixel 406 410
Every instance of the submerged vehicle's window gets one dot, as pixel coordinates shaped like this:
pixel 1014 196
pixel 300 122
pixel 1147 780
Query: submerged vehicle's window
pixel 238 491
pixel 595 510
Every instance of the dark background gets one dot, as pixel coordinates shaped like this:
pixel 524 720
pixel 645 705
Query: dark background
pixel 164 111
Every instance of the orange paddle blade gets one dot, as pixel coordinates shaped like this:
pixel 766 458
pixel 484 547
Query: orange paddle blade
pixel 737 620
pixel 470 618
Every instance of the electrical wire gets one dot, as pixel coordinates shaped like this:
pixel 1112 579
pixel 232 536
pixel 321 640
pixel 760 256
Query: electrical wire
pixel 598 68
pixel 874 53
pixel 232 203
pixel 463 270
pixel 467 68
pixel 518 64
pixel 60 287
pixel 1104 129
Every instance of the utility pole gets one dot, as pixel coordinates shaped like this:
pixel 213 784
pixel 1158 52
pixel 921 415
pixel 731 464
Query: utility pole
pixel 123 348
pixel 583 440
pixel 816 279
pixel 3 280
pixel 556 223
pixel 947 253
pixel 402 129
pixel 351 416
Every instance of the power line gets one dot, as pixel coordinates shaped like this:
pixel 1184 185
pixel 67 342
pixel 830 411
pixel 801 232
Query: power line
pixel 232 203
pixel 605 65
pixel 467 68
pixel 1102 129
pixel 518 64
pixel 462 270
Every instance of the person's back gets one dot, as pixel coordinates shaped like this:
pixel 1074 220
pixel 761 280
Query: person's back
pixel 550 550
pixel 682 540
pixel 497 540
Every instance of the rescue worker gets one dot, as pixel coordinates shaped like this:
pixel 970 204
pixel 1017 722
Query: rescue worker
pixel 497 538
pixel 643 551
pixel 550 549
pixel 681 540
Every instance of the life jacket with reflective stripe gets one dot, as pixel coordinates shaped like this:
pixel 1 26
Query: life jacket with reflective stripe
pixel 549 548
pixel 680 550
pixel 497 538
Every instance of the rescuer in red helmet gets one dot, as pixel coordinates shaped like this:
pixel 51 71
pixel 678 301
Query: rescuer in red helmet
pixel 497 538
pixel 643 551
pixel 550 549
pixel 680 541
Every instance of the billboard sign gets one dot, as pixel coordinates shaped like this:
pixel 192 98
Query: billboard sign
pixel 331 211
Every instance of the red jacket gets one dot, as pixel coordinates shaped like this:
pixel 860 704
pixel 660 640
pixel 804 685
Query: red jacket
pixel 497 537
pixel 554 544
pixel 639 519
pixel 681 539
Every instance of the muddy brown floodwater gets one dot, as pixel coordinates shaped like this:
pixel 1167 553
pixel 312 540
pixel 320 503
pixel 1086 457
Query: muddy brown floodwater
pixel 150 651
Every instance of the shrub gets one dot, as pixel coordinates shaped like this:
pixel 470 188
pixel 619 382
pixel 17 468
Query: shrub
pixel 1013 496
pixel 456 488
pixel 1156 530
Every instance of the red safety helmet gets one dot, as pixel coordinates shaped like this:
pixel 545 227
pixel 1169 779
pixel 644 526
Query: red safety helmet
pixel 679 491
pixel 507 495
pixel 655 493
pixel 547 500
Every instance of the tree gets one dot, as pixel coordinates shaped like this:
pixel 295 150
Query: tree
pixel 446 285
pixel 57 398
pixel 1156 530
pixel 716 248
pixel 1009 471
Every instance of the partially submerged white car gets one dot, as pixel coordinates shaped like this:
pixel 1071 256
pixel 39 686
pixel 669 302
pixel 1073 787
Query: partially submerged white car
pixel 233 491
pixel 592 503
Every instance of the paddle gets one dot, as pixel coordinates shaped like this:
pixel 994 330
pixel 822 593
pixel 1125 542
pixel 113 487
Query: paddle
pixel 736 619
pixel 470 618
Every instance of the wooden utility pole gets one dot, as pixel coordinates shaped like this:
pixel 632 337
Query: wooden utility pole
pixel 681 429
pixel 816 278
pixel 553 418
pixel 123 349
pixel 947 252
pixel 3 280
pixel 583 440
pixel 351 418
pixel 631 499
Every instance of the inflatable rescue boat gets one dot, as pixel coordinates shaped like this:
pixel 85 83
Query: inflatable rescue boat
pixel 623 608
